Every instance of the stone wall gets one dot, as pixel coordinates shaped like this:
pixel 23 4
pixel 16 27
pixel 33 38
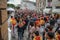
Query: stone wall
pixel 3 20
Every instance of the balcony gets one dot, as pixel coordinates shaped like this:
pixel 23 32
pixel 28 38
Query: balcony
pixel 49 4
pixel 56 2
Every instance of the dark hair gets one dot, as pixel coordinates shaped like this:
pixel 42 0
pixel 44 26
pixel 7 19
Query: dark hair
pixel 31 23
pixel 51 34
pixel 11 16
pixel 46 29
pixel 50 28
pixel 58 31
pixel 37 33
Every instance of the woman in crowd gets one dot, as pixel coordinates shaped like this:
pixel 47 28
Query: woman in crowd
pixel 13 23
pixel 37 36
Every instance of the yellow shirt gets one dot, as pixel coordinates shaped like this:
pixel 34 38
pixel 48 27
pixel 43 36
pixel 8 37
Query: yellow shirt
pixel 42 22
pixel 13 21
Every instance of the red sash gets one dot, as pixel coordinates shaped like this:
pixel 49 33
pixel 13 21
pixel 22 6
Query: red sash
pixel 37 38
pixel 59 37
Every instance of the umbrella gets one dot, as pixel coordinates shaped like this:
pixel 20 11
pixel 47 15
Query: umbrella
pixel 10 9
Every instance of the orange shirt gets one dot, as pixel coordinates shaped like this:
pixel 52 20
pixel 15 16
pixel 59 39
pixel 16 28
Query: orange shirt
pixel 37 22
pixel 57 37
pixel 37 38
pixel 13 21
pixel 42 22
pixel 22 24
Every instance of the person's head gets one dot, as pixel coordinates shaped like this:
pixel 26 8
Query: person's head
pixel 42 18
pixel 50 35
pixel 50 28
pixel 32 24
pixel 36 33
pixel 58 31
pixel 11 16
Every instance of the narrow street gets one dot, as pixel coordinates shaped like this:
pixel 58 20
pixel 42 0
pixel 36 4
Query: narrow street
pixel 29 19
pixel 33 20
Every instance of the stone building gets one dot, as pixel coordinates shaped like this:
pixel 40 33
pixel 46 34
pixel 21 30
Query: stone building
pixel 56 6
pixel 40 5
pixel 53 5
pixel 28 4
pixel 3 20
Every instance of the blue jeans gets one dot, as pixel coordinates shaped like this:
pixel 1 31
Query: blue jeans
pixel 20 35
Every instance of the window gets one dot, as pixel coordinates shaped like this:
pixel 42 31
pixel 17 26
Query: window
pixel 48 7
pixel 7 0
pixel 58 7
pixel 49 0
pixel 58 0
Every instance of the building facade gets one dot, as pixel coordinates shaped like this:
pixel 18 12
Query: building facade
pixel 14 2
pixel 40 5
pixel 53 6
pixel 56 3
pixel 3 20
pixel 28 4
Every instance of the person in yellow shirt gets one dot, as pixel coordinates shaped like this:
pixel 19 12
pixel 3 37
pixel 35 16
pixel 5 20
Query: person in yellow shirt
pixel 13 22
pixel 37 36
pixel 42 22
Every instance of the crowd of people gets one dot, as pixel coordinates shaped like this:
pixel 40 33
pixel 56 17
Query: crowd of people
pixel 40 26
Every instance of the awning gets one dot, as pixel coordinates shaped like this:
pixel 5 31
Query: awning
pixel 56 10
pixel 46 10
pixel 10 3
pixel 10 9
